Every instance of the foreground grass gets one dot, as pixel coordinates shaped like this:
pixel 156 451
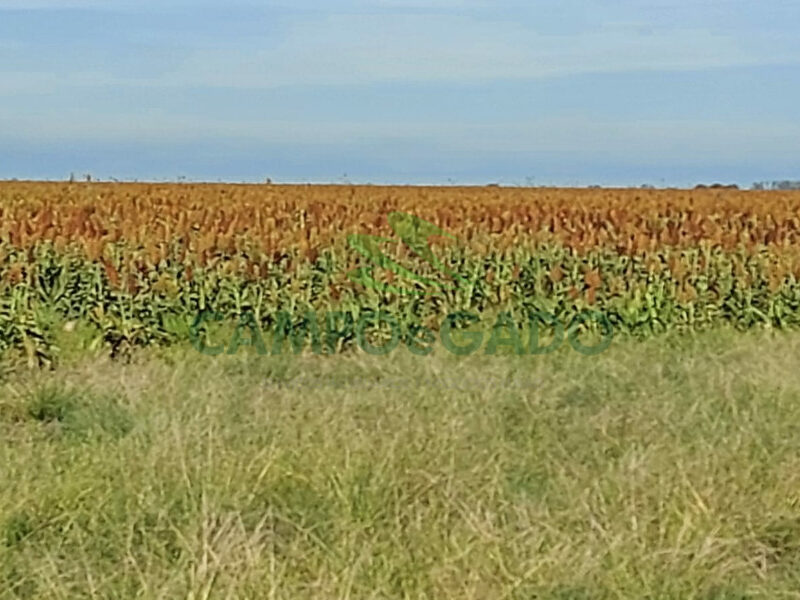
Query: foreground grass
pixel 665 469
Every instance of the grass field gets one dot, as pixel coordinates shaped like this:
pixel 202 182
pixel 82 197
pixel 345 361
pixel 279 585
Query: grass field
pixel 668 468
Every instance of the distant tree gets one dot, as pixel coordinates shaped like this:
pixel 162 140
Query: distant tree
pixel 777 185
pixel 786 185
pixel 716 186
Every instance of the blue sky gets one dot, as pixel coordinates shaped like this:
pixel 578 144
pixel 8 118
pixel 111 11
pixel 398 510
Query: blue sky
pixel 574 92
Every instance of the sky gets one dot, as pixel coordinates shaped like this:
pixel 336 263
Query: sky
pixel 566 92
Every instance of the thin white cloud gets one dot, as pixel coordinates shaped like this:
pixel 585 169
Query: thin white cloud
pixel 358 48
pixel 52 4
pixel 672 140
pixel 369 48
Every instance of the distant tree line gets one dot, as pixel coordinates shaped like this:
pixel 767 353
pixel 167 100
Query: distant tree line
pixel 716 186
pixel 777 185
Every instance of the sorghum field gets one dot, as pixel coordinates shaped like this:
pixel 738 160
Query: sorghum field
pixel 133 465
pixel 139 263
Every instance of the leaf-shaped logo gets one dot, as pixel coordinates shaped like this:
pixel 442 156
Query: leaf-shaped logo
pixel 415 233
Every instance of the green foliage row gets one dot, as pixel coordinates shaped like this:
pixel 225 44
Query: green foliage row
pixel 640 295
